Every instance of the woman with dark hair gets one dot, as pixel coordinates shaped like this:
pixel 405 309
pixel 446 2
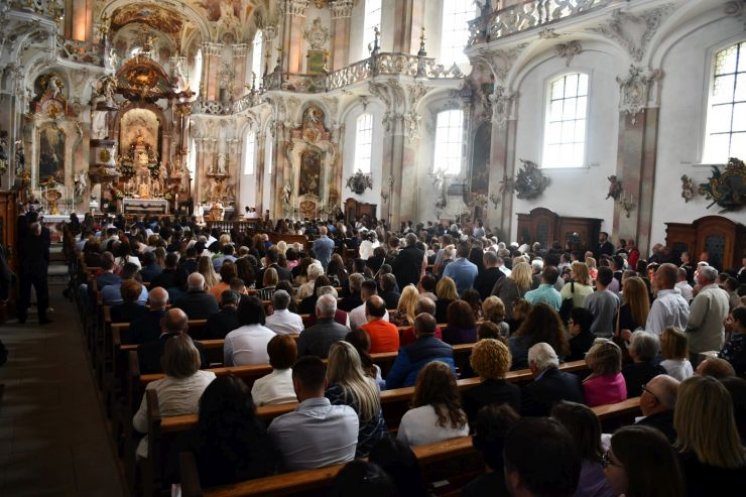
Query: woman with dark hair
pixel 585 428
pixel 308 304
pixel 543 324
pixel 398 460
pixel 461 326
pixel 361 341
pixel 581 336
pixel 248 344
pixel 472 297
pixel 277 387
pixel 336 271
pixel 375 262
pixel 641 463
pixel 436 413
pixel 362 479
pixel 231 441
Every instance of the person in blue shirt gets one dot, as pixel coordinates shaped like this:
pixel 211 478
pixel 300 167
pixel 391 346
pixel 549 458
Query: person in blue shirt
pixel 546 292
pixel 323 247
pixel 462 271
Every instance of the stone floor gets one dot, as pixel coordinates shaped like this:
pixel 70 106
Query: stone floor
pixel 53 433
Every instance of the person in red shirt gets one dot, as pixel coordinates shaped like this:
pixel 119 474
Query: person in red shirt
pixel 384 336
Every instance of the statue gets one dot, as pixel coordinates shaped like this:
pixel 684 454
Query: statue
pixel 80 184
pixel 112 58
pixel 317 35
pixel 181 80
pixel 221 164
pixel 287 192
pixel 688 190
pixel 54 86
pixel 615 187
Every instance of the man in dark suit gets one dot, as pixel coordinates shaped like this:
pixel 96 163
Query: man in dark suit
pixel 149 354
pixel 148 327
pixel 168 278
pixel 197 303
pixel 657 402
pixel 605 247
pixel 486 279
pixel 550 385
pixel 271 258
pixel 34 263
pixel 317 339
pixel 407 266
pixel 150 268
pixel 225 321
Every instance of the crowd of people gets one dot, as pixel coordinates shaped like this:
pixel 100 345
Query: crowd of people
pixel 673 334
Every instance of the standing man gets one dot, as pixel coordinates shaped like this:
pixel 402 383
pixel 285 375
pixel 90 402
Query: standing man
pixel 546 292
pixel 705 329
pixel 323 247
pixel 34 266
pixel 603 304
pixel 604 246
pixel 669 307
pixel 462 270
pixel 407 267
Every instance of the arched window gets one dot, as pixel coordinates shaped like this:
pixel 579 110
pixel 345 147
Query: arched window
pixel 363 142
pixel 448 142
pixel 565 121
pixel 726 119
pixel 249 152
pixel 257 56
pixel 372 19
pixel 454 33
pixel 197 74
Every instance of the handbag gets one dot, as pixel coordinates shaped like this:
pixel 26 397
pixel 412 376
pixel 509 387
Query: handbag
pixel 567 305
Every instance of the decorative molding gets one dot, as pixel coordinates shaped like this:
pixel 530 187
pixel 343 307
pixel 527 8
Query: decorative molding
pixel 296 7
pixel 400 116
pixel 568 50
pixel 635 89
pixel 316 35
pixel 342 9
pixel 548 34
pixel 633 31
pixel 502 102
pixel 530 182
pixel 500 61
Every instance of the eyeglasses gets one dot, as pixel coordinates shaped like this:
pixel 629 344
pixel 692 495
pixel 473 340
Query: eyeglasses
pixel 646 389
pixel 606 460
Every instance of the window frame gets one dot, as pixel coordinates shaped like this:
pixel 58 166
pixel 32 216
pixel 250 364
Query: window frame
pixel 462 59
pixel 705 157
pixel 250 134
pixel 356 157
pixel 446 172
pixel 255 56
pixel 368 29
pixel 547 99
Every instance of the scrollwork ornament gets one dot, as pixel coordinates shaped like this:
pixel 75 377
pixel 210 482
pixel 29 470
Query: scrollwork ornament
pixel 359 182
pixel 530 182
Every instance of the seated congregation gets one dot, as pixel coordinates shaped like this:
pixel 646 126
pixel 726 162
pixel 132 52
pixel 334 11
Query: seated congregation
pixel 373 353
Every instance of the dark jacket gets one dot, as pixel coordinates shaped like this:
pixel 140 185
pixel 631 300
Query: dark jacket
pixel 490 392
pixel 150 272
pixel 414 357
pixel 350 302
pixel 554 385
pixel 167 278
pixel 579 345
pixel 127 312
pixel 222 323
pixel 636 374
pixel 407 266
pixel 107 278
pixel 486 280
pixel 317 339
pixel 662 421
pixel 459 335
pixel 703 480
pixel 149 354
pixel 391 299
pixel 198 304
pixel 146 328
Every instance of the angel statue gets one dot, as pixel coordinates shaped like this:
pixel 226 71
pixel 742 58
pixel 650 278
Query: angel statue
pixel 80 184
pixel 615 187
pixel 688 190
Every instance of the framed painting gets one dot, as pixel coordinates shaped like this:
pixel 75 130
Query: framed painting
pixel 51 155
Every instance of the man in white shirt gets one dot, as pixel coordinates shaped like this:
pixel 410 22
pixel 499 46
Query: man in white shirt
pixel 282 321
pixel 316 434
pixel 669 308
pixel 248 344
pixel 368 245
pixel 683 286
pixel 357 315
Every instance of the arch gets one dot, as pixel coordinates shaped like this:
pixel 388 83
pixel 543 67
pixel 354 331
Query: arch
pixel 181 7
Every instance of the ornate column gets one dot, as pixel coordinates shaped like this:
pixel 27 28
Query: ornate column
pixel 409 18
pixel 341 27
pixel 292 39
pixel 240 52
pixel 282 170
pixel 261 165
pixel 636 155
pixel 210 79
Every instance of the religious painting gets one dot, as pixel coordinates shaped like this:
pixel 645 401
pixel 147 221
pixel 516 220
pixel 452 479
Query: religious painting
pixel 221 9
pixel 158 18
pixel 51 155
pixel 310 172
pixel 480 159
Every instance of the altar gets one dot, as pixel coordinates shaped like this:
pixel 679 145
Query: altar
pixel 145 206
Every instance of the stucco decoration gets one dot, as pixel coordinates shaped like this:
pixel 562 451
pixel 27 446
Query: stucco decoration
pixel 632 31
pixel 688 188
pixel 727 188
pixel 635 89
pixel 530 182
pixel 317 35
pixel 359 182
pixel 568 50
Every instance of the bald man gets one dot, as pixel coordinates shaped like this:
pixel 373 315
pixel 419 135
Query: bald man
pixel 173 323
pixel 148 327
pixel 657 402
pixel 384 336
pixel 197 303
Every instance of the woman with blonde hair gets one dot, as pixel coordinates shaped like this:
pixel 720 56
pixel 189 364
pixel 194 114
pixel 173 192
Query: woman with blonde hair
pixel 447 293
pixel 580 286
pixel 712 457
pixel 605 384
pixel 405 309
pixel 514 287
pixel 206 269
pixel 675 352
pixel 436 413
pixel 592 268
pixel 634 312
pixel 349 385
pixel 493 310
pixel 491 360
pixel 270 279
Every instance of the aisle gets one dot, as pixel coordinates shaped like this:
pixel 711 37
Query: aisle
pixel 53 436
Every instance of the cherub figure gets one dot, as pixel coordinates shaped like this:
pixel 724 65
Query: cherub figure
pixel 615 187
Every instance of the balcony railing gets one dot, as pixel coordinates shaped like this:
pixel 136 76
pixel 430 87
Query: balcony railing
pixel 528 15
pixel 46 8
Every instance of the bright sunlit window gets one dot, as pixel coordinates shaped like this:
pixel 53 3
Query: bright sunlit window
pixel 566 119
pixel 257 56
pixel 726 119
pixel 448 142
pixel 454 34
pixel 372 19
pixel 249 152
pixel 363 142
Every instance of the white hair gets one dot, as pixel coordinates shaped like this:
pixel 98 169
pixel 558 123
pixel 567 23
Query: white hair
pixel 314 271
pixel 326 306
pixel 543 356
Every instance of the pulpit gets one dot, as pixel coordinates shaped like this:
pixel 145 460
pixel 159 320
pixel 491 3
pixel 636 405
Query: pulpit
pixel 723 240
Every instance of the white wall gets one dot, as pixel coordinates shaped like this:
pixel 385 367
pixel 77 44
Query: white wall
pixel 372 196
pixel 578 191
pixel 687 69
pixel 247 190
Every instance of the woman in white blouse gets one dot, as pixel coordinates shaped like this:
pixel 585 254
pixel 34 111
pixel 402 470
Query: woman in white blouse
pixel 675 352
pixel 179 392
pixel 436 413
pixel 277 386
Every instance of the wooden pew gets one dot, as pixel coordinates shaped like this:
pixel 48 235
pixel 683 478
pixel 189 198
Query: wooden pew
pixel 612 416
